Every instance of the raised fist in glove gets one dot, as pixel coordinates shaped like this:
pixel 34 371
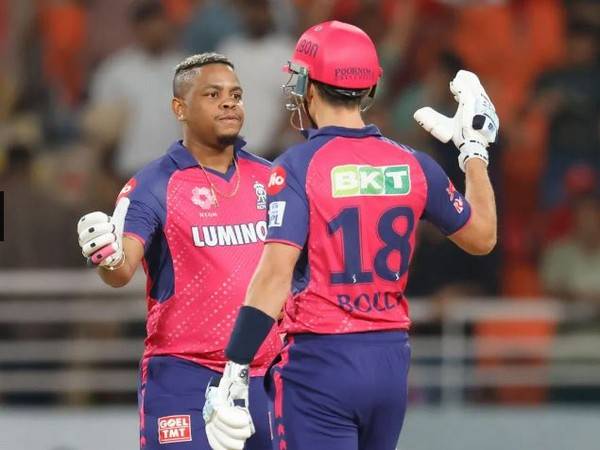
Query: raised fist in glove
pixel 474 126
pixel 101 236
pixel 226 414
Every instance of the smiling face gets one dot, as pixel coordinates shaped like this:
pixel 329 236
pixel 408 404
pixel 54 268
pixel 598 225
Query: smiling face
pixel 211 105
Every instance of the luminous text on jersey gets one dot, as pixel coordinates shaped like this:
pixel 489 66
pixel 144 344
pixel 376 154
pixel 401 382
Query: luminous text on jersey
pixel 228 235
pixel 354 180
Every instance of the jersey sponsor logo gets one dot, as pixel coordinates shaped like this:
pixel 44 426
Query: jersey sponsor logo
pixel 130 186
pixel 172 429
pixel 261 195
pixel 276 181
pixel 354 180
pixel 229 235
pixel 455 199
pixel 203 197
pixel 276 212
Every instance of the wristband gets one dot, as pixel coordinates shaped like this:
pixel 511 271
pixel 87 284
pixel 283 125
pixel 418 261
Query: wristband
pixel 251 328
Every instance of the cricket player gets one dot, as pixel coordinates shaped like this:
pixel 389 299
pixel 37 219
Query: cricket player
pixel 344 208
pixel 195 219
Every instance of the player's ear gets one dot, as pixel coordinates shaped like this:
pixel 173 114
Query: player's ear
pixel 311 91
pixel 178 108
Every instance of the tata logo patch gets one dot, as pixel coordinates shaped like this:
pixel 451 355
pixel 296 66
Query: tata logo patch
pixel 276 181
pixel 172 429
pixel 357 180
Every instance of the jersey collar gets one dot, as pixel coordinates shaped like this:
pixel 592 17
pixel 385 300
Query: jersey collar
pixel 184 159
pixel 369 130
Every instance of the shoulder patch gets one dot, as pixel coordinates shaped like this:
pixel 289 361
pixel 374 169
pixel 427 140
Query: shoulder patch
pixel 276 180
pixel 127 189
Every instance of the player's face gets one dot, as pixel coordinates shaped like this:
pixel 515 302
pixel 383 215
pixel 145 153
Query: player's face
pixel 214 108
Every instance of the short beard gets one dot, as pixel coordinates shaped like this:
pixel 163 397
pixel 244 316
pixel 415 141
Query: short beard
pixel 227 140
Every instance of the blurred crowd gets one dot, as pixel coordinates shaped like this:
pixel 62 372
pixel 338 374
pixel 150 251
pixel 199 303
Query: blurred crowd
pixel 85 88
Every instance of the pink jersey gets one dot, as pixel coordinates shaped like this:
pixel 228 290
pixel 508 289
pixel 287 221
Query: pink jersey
pixel 201 250
pixel 351 200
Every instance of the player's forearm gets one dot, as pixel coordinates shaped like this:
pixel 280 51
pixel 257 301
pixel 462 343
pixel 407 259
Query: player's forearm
pixel 264 299
pixel 480 195
pixel 133 252
pixel 268 292
pixel 118 277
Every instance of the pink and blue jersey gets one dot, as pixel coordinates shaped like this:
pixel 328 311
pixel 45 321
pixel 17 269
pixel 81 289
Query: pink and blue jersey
pixel 351 200
pixel 200 251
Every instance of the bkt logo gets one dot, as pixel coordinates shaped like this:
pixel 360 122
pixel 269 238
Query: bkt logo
pixel 355 180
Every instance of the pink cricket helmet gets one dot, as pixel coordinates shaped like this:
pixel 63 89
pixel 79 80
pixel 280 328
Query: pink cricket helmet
pixel 337 54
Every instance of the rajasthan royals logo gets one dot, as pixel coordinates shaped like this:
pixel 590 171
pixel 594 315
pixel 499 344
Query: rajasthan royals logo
pixel 261 195
pixel 203 197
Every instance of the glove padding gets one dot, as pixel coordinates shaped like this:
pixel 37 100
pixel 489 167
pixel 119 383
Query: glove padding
pixel 101 236
pixel 226 414
pixel 474 126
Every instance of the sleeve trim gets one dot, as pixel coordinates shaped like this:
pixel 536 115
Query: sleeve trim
pixel 283 241
pixel 135 236
pixel 463 225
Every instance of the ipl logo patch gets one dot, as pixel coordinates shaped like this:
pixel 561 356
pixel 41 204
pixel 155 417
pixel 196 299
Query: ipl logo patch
pixel 261 195
pixel 276 212
pixel 203 197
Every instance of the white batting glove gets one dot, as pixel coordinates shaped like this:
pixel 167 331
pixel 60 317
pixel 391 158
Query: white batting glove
pixel 101 236
pixel 474 126
pixel 226 414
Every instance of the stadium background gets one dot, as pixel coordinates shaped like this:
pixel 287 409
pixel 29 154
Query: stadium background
pixel 505 346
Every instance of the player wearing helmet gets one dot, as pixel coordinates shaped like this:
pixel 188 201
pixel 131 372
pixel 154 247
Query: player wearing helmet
pixel 344 208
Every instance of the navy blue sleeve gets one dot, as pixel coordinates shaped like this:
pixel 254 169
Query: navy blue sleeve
pixel 143 216
pixel 288 207
pixel 446 208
